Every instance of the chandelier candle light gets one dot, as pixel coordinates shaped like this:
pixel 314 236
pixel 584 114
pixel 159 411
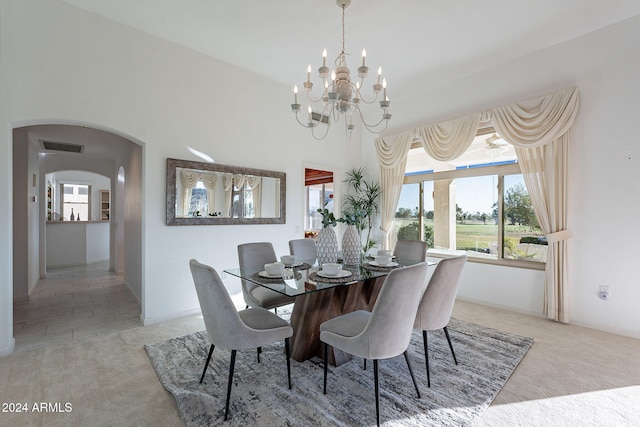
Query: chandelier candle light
pixel 341 98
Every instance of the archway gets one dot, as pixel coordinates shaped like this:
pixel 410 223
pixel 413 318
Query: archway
pixel 39 148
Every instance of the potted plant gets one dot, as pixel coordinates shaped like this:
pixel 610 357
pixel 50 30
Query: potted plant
pixel 327 243
pixel 361 205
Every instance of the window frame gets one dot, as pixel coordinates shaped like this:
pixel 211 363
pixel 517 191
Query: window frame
pixel 500 171
pixel 77 184
pixel 324 198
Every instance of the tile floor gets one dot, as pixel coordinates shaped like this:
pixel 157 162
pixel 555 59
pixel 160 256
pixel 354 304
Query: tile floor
pixel 74 302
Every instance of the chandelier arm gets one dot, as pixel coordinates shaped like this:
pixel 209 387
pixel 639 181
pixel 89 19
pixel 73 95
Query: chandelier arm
pixel 377 131
pixel 313 133
pixel 306 125
pixel 369 127
pixel 336 115
pixel 310 98
pixel 362 99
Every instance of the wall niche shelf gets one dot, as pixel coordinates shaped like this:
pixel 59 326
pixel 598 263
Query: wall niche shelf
pixel 105 205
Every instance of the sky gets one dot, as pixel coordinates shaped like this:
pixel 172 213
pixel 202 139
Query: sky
pixel 472 194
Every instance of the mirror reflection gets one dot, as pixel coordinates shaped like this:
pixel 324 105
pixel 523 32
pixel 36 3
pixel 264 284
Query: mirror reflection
pixel 204 193
pixel 226 195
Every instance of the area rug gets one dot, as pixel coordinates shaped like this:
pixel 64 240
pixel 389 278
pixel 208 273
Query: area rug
pixel 459 394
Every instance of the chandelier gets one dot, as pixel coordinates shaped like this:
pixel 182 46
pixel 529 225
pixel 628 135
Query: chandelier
pixel 341 97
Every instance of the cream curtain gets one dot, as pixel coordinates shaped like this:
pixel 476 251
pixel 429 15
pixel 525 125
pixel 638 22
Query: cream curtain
pixel 230 181
pixel 189 180
pixel 392 157
pixel 448 140
pixel 442 141
pixel 255 182
pixel 227 182
pixel 540 130
pixel 209 180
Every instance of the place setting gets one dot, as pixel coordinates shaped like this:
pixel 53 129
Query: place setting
pixel 275 272
pixel 290 261
pixel 383 261
pixel 333 273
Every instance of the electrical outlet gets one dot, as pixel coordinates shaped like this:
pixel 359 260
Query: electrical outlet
pixel 605 293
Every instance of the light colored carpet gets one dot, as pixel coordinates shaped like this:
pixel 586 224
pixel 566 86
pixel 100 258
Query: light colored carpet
pixel 571 376
pixel 260 396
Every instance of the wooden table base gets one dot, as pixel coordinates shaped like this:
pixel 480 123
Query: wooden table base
pixel 311 309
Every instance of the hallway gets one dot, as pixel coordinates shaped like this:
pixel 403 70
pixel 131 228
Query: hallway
pixel 74 302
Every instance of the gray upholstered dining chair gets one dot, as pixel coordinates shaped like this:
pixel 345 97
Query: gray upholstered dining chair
pixel 384 332
pixel 437 302
pixel 231 329
pixel 257 255
pixel 411 249
pixel 305 250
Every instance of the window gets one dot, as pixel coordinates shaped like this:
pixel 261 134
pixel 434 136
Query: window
pixel 477 203
pixel 318 194
pixel 75 202
pixel 198 205
pixel 476 221
pixel 242 205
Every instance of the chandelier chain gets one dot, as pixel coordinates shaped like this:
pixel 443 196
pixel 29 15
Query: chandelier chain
pixel 343 37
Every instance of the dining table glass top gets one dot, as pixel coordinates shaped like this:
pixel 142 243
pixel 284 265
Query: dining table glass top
pixel 301 278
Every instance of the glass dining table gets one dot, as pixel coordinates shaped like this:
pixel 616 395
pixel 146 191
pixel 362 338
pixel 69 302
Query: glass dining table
pixel 319 297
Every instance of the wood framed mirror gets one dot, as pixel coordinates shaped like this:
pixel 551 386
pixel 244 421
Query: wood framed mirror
pixel 201 193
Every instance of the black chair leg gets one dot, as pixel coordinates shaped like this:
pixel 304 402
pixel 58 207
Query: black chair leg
pixel 446 332
pixel 426 356
pixel 364 365
pixel 286 347
pixel 259 351
pixel 206 365
pixel 413 378
pixel 326 362
pixel 375 379
pixel 231 366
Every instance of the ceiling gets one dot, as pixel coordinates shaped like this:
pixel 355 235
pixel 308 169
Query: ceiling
pixel 418 43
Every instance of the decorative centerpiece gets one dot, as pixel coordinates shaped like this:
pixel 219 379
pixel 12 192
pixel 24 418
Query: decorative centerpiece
pixel 327 243
pixel 350 240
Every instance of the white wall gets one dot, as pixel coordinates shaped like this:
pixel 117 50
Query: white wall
pixel 605 167
pixel 71 243
pixel 20 237
pixel 95 72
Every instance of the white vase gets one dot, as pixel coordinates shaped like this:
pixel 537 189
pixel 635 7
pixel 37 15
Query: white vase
pixel 327 245
pixel 351 246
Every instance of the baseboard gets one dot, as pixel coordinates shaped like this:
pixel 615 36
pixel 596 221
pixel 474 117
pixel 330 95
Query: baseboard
pixel 502 307
pixel 82 264
pixel 609 329
pixel 133 293
pixel 158 319
pixel 6 351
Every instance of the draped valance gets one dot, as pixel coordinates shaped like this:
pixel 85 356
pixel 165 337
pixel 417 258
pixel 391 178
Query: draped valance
pixel 540 129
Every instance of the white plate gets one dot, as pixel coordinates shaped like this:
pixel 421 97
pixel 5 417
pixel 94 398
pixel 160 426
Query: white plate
pixel 340 275
pixel 372 256
pixel 391 264
pixel 269 276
